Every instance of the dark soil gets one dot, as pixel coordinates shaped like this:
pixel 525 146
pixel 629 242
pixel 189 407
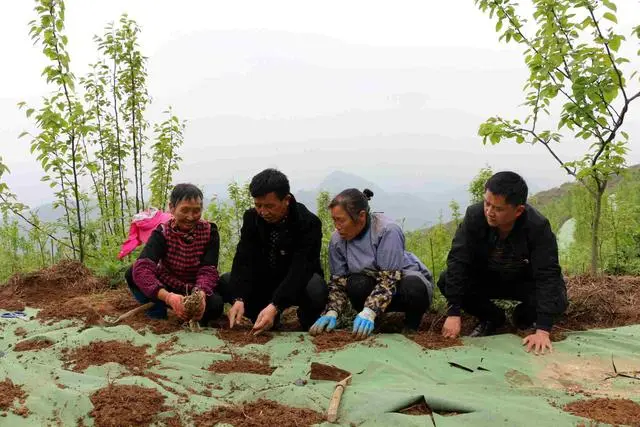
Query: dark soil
pixel 126 405
pixel 335 340
pixel 11 392
pixel 610 411
pixel 289 320
pixel 98 353
pixel 33 344
pixel 320 371
pixel 20 332
pixel 260 413
pixel 259 366
pixel 241 335
pixel 174 421
pixel 434 340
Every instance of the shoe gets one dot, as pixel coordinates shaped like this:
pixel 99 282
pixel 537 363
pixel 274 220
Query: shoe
pixel 484 328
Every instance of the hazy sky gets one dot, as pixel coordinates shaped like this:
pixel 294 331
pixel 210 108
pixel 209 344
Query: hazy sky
pixel 390 91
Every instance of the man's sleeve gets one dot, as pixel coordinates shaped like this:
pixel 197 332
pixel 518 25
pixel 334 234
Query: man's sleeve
pixel 306 253
pixel 242 267
pixel 551 291
pixel 458 266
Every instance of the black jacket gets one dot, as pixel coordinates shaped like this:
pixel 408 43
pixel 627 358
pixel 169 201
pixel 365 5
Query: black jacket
pixel 533 242
pixel 298 255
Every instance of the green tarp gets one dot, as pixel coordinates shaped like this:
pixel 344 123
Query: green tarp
pixel 513 388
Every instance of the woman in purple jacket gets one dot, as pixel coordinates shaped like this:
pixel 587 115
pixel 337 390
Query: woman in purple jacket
pixel 180 256
pixel 370 268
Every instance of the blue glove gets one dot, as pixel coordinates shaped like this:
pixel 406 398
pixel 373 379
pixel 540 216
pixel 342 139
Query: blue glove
pixel 363 323
pixel 328 322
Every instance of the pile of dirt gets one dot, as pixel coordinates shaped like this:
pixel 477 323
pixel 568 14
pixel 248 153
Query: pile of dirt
pixel 335 340
pixel 289 321
pixel 259 366
pixel 321 371
pixel 434 340
pixel 241 335
pixel 258 414
pixel 97 353
pixel 33 344
pixel 54 284
pixel 10 393
pixel 126 405
pixel 602 302
pixel 610 411
pixel 20 332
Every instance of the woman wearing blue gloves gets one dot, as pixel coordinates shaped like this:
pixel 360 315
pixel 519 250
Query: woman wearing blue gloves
pixel 371 269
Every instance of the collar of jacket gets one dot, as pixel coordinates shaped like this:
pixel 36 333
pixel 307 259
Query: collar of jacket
pixel 367 225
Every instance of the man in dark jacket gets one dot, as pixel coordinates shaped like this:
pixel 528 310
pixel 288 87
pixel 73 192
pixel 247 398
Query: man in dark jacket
pixel 277 261
pixel 504 249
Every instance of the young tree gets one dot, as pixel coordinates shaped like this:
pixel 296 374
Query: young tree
pixel 576 82
pixel 61 121
pixel 322 210
pixel 476 186
pixel 169 138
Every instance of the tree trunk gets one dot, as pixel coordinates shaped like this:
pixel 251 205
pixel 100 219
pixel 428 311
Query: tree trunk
pixel 595 236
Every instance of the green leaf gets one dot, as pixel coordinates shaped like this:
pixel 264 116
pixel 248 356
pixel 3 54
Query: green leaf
pixel 611 5
pixel 610 16
pixel 614 43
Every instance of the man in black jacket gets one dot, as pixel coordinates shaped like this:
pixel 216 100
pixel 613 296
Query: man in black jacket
pixel 504 249
pixel 277 261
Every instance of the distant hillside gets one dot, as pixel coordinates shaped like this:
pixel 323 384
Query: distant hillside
pixel 546 197
pixel 412 210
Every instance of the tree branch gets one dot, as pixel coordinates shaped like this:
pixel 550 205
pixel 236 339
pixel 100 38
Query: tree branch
pixel 606 45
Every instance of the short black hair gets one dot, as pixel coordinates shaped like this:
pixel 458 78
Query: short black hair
pixel 185 191
pixel 269 181
pixel 353 201
pixel 510 185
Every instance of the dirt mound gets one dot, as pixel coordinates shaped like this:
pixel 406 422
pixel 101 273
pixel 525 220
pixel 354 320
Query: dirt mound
pixel 610 411
pixel 11 393
pixel 33 344
pixel 335 340
pixel 602 302
pixel 258 414
pixel 241 335
pixel 434 340
pixel 20 332
pixel 320 371
pixel 259 366
pixel 58 282
pixel 97 353
pixel 126 405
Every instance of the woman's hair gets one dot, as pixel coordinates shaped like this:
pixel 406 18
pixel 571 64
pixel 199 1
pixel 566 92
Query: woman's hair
pixel 185 192
pixel 353 201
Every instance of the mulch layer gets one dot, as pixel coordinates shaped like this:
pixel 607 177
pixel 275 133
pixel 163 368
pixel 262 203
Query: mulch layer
pixel 335 340
pixel 320 371
pixel 126 405
pixel 33 344
pixel 610 411
pixel 258 366
pixel 97 353
pixel 259 414
pixel 10 393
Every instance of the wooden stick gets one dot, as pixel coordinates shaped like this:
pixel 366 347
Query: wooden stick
pixel 334 403
pixel 133 312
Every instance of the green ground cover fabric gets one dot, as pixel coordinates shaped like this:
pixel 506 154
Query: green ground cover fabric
pixel 514 389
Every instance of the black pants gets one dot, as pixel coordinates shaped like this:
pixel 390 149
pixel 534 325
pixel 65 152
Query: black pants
pixel 213 308
pixel 411 296
pixel 311 300
pixel 477 300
